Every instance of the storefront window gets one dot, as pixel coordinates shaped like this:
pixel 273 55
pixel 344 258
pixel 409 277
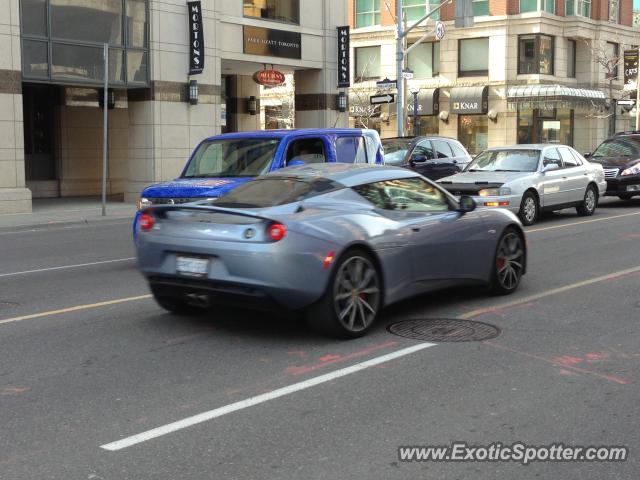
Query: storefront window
pixel 367 63
pixel 473 132
pixel 545 126
pixel 414 10
pixel 279 10
pixel 424 60
pixel 473 57
pixel 367 13
pixel 535 54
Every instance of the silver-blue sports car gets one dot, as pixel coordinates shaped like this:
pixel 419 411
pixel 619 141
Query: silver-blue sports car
pixel 336 241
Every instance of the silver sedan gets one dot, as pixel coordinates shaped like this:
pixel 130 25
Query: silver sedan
pixel 529 179
pixel 337 241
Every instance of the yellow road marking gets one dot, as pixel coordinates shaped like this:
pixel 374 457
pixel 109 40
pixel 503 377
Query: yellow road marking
pixel 75 309
pixel 581 222
pixel 548 293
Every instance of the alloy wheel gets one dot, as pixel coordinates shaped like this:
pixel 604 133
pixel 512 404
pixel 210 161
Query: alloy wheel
pixel 590 200
pixel 510 261
pixel 530 209
pixel 356 293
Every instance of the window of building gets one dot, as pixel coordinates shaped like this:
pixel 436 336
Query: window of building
pixel 278 10
pixel 480 7
pixel 614 9
pixel 473 57
pixel 473 132
pixel 538 5
pixel 571 58
pixel 612 56
pixel 33 19
pixel 367 63
pixel 367 13
pixel 424 60
pixel 545 126
pixel 427 125
pixel 414 10
pixel 535 54
pixel 581 8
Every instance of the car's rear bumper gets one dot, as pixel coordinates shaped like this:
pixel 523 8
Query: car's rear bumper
pixel 623 186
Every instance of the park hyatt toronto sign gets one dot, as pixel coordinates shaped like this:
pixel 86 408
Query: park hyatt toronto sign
pixel 196 38
pixel 272 43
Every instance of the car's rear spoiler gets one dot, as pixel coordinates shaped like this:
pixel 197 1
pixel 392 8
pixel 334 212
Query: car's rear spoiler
pixel 160 209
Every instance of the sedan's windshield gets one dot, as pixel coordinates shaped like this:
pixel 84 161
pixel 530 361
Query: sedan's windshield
pixel 517 160
pixel 244 157
pixel 270 192
pixel 395 150
pixel 618 147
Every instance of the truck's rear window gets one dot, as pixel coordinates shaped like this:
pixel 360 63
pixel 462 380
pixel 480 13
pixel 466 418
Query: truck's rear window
pixel 246 157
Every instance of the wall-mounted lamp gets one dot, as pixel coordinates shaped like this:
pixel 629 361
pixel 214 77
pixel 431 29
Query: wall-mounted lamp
pixel 252 105
pixel 111 98
pixel 193 92
pixel 444 116
pixel 493 116
pixel 342 102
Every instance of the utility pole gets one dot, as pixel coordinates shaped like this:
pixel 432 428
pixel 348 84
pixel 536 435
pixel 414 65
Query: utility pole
pixel 105 128
pixel 638 96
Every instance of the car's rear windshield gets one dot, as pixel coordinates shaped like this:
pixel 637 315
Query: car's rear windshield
pixel 270 192
pixel 516 160
pixel 618 147
pixel 243 157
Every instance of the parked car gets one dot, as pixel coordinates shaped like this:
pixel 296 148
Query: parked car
pixel 337 241
pixel 529 179
pixel 620 159
pixel 221 163
pixel 432 156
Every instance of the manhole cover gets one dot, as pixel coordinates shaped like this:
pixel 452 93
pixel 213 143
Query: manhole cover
pixel 444 330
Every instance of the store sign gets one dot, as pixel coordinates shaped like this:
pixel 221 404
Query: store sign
pixel 269 78
pixel 428 102
pixel 630 69
pixel 469 100
pixel 343 57
pixel 272 43
pixel 196 38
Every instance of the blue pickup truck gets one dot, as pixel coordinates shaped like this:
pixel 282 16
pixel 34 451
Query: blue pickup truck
pixel 221 163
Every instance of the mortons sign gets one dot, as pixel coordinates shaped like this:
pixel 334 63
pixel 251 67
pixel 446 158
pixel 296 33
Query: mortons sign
pixel 196 38
pixel 343 57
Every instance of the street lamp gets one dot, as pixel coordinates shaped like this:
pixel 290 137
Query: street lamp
pixel 193 92
pixel 416 128
pixel 342 102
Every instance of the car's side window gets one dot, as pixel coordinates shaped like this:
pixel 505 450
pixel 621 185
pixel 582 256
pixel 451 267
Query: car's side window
pixel 404 194
pixel 345 149
pixel 457 149
pixel 306 150
pixel 361 151
pixel 441 149
pixel 551 155
pixel 372 149
pixel 568 160
pixel 577 156
pixel 422 151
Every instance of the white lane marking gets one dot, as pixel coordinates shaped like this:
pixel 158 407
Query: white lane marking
pixel 265 397
pixel 58 226
pixel 581 222
pixel 77 265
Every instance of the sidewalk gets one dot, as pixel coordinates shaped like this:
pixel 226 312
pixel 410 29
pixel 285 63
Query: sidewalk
pixel 49 211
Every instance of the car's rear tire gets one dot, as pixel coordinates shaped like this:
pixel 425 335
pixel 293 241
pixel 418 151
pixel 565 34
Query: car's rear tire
pixel 529 209
pixel 353 298
pixel 176 306
pixel 508 263
pixel 590 202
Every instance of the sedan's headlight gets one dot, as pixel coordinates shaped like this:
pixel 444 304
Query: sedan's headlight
pixel 143 202
pixel 494 192
pixel 633 170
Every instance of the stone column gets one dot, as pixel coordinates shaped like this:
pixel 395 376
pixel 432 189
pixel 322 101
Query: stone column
pixel 14 196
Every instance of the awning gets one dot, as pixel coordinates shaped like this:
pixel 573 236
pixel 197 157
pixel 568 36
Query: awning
pixel 466 100
pixel 428 101
pixel 551 96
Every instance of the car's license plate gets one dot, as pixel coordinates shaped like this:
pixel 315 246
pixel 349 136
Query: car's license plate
pixel 192 265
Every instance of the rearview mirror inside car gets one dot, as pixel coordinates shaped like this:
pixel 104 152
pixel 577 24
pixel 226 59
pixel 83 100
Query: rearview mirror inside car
pixel 467 204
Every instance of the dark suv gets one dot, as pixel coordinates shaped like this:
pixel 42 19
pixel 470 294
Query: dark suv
pixel 620 159
pixel 432 156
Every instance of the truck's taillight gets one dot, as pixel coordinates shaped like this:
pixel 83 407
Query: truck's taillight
pixel 276 231
pixel 146 222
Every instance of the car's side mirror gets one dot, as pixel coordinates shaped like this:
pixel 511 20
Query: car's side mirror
pixel 549 167
pixel 418 158
pixel 467 204
pixel 587 155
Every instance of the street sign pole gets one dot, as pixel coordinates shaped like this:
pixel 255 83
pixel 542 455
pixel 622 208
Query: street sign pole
pixel 638 94
pixel 105 128
pixel 399 68
pixel 416 130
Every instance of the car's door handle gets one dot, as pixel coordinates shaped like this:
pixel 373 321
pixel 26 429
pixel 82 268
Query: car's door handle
pixel 564 178
pixel 415 229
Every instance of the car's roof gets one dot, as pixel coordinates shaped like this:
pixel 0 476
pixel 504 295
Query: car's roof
pixel 281 133
pixel 420 137
pixel 530 146
pixel 348 174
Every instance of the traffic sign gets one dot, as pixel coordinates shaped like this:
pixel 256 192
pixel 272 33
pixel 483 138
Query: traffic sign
pixel 378 99
pixel 626 102
pixel 440 30
pixel 386 83
pixel 407 74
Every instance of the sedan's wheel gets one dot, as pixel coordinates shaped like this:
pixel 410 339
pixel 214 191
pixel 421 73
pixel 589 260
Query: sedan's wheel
pixel 351 303
pixel 590 202
pixel 508 266
pixel 528 209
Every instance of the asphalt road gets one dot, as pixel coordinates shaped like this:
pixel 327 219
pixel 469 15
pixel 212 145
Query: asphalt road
pixel 88 359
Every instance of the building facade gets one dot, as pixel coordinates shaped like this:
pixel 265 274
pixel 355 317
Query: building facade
pixel 52 71
pixel 527 71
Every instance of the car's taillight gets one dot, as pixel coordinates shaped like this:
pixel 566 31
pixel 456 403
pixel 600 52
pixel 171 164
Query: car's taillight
pixel 276 231
pixel 146 222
